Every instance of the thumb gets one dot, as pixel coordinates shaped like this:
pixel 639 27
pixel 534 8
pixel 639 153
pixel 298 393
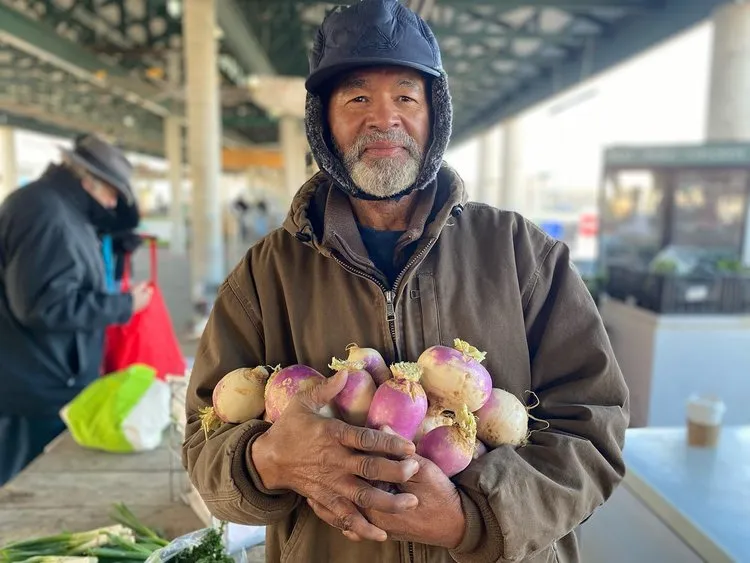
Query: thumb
pixel 323 393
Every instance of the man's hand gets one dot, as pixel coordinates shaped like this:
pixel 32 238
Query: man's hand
pixel 437 520
pixel 142 294
pixel 327 460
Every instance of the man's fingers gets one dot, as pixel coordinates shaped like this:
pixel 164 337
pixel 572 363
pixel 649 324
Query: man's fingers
pixel 342 514
pixel 366 496
pixel 321 394
pixel 329 517
pixel 374 468
pixel 369 440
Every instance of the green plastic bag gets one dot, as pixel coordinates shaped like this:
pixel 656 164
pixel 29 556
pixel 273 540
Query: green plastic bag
pixel 125 411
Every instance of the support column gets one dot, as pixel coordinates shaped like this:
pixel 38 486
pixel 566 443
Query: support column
pixel 488 178
pixel 512 196
pixel 8 162
pixel 204 136
pixel 173 137
pixel 294 148
pixel 729 94
pixel 174 153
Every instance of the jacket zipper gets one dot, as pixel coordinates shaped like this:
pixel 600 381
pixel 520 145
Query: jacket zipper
pixel 390 309
pixel 390 294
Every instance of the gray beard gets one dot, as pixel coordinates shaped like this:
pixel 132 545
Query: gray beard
pixel 383 177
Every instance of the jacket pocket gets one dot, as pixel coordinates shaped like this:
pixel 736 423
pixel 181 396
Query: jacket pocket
pixel 428 303
pixel 288 551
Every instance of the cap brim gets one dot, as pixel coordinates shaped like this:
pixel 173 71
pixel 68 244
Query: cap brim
pixel 121 187
pixel 324 74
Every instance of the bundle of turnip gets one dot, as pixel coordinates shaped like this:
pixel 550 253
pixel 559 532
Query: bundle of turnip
pixel 400 402
pixel 237 398
pixel 455 377
pixel 373 362
pixel 284 384
pixel 353 402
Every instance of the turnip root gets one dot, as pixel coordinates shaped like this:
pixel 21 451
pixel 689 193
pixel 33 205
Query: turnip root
pixel 455 376
pixel 237 397
pixel 451 448
pixel 400 402
pixel 374 362
pixel 479 449
pixel 284 384
pixel 437 415
pixel 502 420
pixel 353 402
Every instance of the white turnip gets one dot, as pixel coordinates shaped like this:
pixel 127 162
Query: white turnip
pixel 451 448
pixel 502 420
pixel 455 376
pixel 353 402
pixel 400 402
pixel 237 397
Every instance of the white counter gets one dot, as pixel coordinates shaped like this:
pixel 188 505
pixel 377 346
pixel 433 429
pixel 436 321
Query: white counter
pixel 677 504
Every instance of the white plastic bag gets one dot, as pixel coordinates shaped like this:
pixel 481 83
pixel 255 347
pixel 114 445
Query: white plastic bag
pixel 185 543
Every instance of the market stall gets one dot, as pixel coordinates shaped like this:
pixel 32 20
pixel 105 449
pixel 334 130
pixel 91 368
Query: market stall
pixel 675 252
pixel 71 488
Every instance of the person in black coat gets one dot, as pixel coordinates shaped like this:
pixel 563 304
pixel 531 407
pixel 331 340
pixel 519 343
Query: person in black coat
pixel 54 303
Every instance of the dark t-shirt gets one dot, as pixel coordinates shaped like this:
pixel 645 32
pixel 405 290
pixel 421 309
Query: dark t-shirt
pixel 381 246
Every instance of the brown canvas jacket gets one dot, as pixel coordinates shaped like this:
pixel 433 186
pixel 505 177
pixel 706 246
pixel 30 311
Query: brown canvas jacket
pixel 487 276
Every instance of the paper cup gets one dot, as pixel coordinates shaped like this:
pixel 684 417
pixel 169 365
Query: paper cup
pixel 704 416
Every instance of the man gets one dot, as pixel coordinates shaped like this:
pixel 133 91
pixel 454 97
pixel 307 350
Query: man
pixel 381 248
pixel 54 303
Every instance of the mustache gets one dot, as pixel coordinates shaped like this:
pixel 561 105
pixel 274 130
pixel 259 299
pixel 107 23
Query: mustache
pixel 395 136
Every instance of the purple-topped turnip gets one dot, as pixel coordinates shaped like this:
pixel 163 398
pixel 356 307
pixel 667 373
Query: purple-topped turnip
pixel 437 415
pixel 284 384
pixel 451 448
pixel 455 376
pixel 374 362
pixel 400 402
pixel 353 402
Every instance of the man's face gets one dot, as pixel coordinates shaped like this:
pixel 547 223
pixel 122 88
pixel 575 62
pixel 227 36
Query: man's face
pixel 102 192
pixel 380 123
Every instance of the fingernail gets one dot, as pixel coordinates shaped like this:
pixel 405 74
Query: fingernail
pixel 382 536
pixel 412 466
pixel 412 502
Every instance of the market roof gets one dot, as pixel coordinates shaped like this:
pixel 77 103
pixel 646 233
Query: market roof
pixel 79 65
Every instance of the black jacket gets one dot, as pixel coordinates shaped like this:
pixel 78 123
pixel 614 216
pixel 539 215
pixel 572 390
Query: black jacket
pixel 54 305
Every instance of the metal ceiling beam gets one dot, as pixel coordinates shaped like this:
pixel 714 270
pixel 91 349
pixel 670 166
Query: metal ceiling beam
pixel 507 5
pixel 625 40
pixel 42 41
pixel 136 140
pixel 241 39
pixel 481 34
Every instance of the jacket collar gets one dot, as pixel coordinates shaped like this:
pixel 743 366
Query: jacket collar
pixel 322 216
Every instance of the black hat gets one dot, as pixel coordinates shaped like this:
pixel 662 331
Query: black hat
pixel 372 33
pixel 104 161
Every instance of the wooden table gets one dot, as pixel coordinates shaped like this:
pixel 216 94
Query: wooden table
pixel 69 488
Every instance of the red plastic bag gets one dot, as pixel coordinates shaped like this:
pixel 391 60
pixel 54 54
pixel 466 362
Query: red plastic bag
pixel 148 337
